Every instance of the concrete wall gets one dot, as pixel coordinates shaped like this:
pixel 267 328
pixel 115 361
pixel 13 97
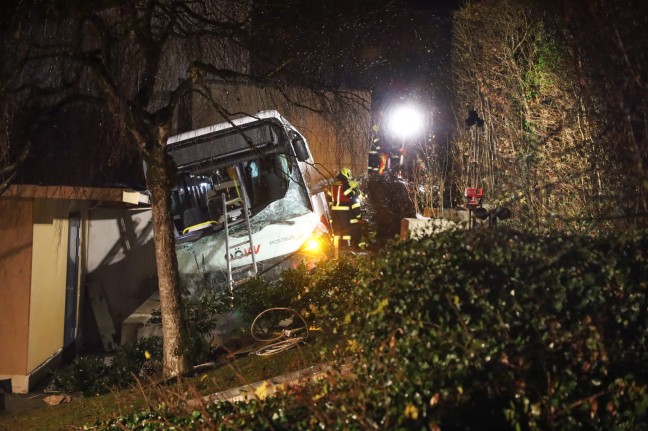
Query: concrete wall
pixel 15 280
pixel 447 219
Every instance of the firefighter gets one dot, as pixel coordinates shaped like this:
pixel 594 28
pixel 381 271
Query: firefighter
pixel 345 209
pixel 379 156
pixel 374 161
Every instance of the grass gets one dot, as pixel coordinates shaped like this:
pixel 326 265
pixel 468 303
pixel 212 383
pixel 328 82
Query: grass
pixel 238 372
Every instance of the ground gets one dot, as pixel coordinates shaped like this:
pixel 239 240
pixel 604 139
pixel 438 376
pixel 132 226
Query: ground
pixel 30 412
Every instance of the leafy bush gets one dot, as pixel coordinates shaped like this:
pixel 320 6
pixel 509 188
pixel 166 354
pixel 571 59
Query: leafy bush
pixel 89 374
pixel 201 319
pixel 200 316
pixel 507 328
pixel 93 375
pixel 387 203
pixel 470 330
pixel 257 295
pixel 141 358
pixel 324 293
pixel 314 293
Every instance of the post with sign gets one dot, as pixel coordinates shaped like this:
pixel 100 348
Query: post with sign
pixel 473 194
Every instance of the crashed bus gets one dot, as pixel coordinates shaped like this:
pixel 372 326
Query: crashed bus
pixel 257 165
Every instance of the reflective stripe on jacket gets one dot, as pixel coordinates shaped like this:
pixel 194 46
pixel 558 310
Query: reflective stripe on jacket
pixel 342 193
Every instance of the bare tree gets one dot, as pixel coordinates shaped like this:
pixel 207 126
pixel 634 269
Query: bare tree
pixel 13 149
pixel 10 158
pixel 140 60
pixel 606 47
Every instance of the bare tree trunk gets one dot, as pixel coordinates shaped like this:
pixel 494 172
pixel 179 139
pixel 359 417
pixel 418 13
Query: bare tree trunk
pixel 158 178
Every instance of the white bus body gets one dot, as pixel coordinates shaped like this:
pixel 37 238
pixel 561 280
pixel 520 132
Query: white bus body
pixel 270 159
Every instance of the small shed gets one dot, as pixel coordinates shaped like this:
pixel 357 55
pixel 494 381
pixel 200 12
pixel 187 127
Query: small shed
pixel 43 264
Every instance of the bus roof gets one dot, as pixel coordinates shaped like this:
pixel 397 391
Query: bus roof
pixel 261 115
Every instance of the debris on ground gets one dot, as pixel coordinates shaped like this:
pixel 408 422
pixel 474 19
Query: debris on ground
pixel 55 400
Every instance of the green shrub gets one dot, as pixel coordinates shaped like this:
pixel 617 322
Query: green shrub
pixel 257 295
pixel 94 375
pixel 143 358
pixel 201 320
pixel 325 291
pixel 387 203
pixel 317 294
pixel 470 330
pixel 140 359
pixel 507 328
pixel 89 375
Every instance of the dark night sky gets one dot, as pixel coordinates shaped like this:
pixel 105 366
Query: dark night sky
pixel 396 48
pixel 423 71
pixel 399 49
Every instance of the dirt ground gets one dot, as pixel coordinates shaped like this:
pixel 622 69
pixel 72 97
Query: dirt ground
pixel 17 404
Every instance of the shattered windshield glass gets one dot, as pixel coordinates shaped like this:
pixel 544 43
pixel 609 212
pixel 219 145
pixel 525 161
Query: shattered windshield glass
pixel 271 183
pixel 295 203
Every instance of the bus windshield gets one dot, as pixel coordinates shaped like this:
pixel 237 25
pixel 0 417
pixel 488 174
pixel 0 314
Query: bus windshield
pixel 268 179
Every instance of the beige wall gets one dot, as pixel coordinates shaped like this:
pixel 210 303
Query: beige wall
pixel 15 278
pixel 49 259
pixel 337 128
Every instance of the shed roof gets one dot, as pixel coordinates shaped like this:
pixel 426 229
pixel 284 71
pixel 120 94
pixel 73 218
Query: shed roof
pixel 104 194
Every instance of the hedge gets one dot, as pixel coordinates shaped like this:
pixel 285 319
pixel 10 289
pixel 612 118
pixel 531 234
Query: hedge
pixel 467 330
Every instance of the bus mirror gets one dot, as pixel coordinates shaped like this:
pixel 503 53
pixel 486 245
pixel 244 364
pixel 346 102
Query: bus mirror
pixel 301 151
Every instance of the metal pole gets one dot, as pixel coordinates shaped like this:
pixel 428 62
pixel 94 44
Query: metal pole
pixel 230 280
pixel 336 246
pixel 249 227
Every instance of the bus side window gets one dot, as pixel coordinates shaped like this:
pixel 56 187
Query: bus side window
pixel 250 179
pixel 252 169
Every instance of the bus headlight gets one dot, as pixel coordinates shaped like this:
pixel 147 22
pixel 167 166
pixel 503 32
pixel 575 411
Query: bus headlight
pixel 312 245
pixel 318 245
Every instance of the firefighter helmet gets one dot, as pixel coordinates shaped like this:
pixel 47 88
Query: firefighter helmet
pixel 346 172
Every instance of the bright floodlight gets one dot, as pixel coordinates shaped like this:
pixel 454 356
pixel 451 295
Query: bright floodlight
pixel 406 121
